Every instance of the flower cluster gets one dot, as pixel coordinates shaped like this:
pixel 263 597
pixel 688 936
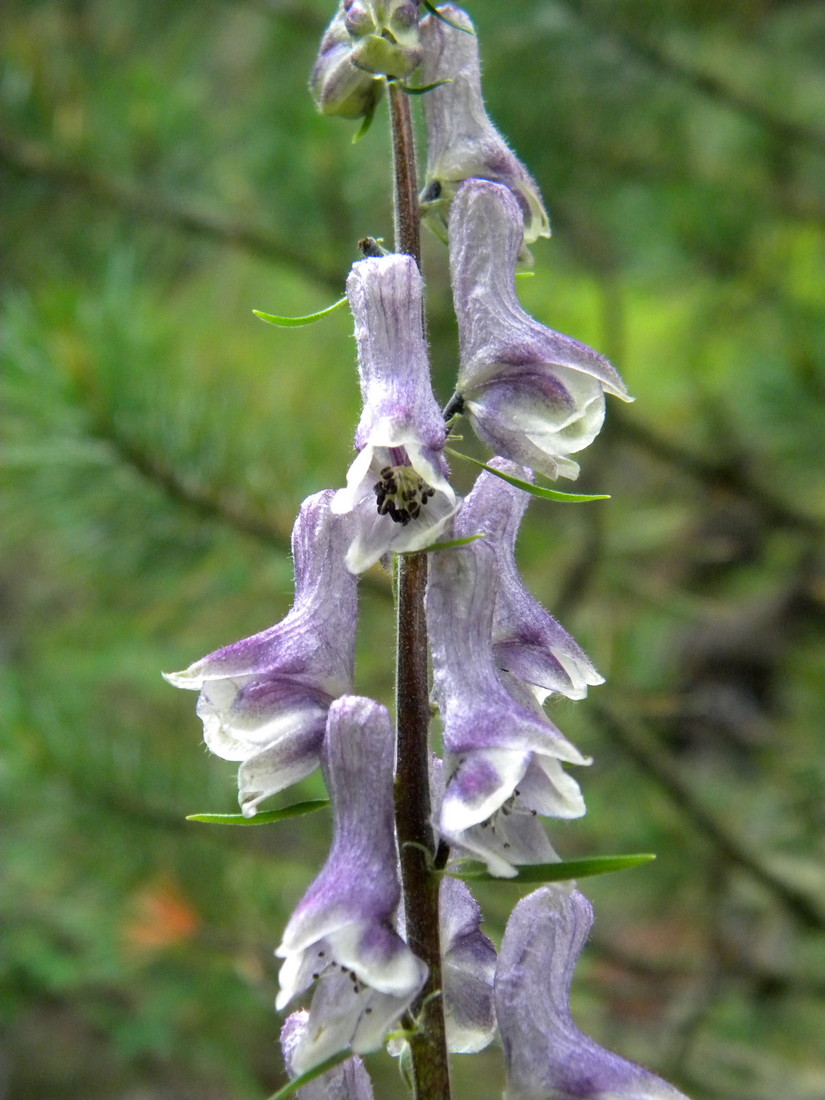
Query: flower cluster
pixel 281 702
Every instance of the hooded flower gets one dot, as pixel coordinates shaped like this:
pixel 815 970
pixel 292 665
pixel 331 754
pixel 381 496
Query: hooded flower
pixel 503 756
pixel 531 394
pixel 468 963
pixel 366 40
pixel 527 641
pixel 462 143
pixel 547 1057
pixel 347 1081
pixel 341 934
pixel 264 700
pixel 397 486
pixel 467 968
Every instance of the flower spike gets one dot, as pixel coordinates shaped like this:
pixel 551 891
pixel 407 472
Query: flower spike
pixel 462 142
pixel 532 395
pixel 397 486
pixel 264 700
pixel 547 1057
pixel 527 641
pixel 341 933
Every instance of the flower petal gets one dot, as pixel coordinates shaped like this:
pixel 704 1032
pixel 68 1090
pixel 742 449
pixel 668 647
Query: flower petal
pixel 527 641
pixel 547 1057
pixel 461 140
pixel 532 394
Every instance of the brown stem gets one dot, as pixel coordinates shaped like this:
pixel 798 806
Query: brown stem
pixel 412 792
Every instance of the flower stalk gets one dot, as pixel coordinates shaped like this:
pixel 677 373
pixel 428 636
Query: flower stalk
pixel 428 1046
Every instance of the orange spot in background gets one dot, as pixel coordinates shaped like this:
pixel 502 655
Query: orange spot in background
pixel 160 917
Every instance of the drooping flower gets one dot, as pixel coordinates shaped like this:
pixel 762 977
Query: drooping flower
pixel 503 756
pixel 341 934
pixel 527 641
pixel 467 968
pixel 468 961
pixel 365 42
pixel 462 142
pixel 547 1057
pixel 264 700
pixel 531 394
pixel 347 1081
pixel 397 487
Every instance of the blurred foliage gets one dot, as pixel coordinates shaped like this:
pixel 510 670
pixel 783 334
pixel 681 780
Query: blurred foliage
pixel 163 173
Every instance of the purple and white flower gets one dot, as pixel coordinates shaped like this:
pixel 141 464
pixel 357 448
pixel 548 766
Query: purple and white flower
pixel 503 756
pixel 547 1056
pixel 468 963
pixel 342 934
pixel 527 641
pixel 462 142
pixel 531 394
pixel 264 700
pixel 397 487
pixel 347 1081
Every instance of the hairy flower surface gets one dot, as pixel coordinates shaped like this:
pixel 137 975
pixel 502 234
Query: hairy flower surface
pixel 527 641
pixel 462 142
pixel 341 933
pixel 531 394
pixel 503 756
pixel 264 700
pixel 347 1081
pixel 366 41
pixel 397 487
pixel 546 1055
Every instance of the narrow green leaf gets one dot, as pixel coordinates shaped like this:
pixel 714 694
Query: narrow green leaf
pixel 297 809
pixel 525 274
pixel 422 88
pixel 555 872
pixel 295 322
pixel 434 11
pixel 310 1075
pixel 528 487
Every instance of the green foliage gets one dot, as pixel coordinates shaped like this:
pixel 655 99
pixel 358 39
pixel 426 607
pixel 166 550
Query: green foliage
pixel 163 170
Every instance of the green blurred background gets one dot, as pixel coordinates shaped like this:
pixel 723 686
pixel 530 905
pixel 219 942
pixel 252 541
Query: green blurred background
pixel 163 173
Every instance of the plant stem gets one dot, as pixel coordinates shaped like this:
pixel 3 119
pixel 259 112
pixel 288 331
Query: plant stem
pixel 412 793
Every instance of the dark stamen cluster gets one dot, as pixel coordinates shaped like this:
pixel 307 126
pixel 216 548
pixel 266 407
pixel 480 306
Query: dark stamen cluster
pixel 401 494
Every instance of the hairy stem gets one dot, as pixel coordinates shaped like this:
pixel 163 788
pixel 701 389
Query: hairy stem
pixel 412 794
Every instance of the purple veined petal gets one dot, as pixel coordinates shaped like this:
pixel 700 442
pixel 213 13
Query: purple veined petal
pixel 527 641
pixel 533 395
pixel 467 969
pixel 347 1081
pixel 386 296
pixel 397 489
pixel 462 142
pixel 547 1056
pixel 264 700
pixel 477 710
pixel 313 644
pixel 239 721
pixel 343 926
